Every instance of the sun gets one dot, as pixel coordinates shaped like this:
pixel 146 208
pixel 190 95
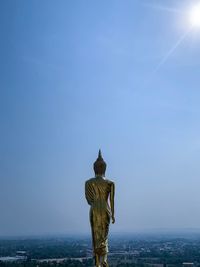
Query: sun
pixel 194 16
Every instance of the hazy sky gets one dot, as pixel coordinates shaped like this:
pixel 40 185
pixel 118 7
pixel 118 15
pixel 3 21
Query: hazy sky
pixel 77 76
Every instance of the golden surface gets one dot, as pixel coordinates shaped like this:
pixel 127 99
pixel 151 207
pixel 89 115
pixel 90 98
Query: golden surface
pixel 99 193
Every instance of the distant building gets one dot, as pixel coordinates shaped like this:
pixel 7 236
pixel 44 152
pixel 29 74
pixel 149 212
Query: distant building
pixel 7 259
pixel 156 265
pixel 20 256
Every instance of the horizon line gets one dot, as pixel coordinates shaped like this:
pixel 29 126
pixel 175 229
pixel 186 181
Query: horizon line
pixel 154 231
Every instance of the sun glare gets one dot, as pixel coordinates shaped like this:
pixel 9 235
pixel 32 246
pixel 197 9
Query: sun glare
pixel 194 16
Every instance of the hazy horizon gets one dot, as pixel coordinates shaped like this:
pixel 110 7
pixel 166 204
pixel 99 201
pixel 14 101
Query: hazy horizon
pixel 150 233
pixel 77 76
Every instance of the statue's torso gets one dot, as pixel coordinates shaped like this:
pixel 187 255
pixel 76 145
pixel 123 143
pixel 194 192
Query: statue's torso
pixel 98 190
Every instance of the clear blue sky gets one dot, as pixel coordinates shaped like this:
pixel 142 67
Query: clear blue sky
pixel 77 76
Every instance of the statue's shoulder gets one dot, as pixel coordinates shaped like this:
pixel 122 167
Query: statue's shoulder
pixel 90 180
pixel 109 181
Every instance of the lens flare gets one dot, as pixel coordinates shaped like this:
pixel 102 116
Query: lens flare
pixel 194 16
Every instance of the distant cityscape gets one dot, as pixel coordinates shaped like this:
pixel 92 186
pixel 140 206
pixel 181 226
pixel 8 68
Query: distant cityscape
pixel 128 250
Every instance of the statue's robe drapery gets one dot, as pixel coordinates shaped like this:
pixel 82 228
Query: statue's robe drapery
pixel 97 191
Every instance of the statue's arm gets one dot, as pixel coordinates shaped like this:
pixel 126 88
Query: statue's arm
pixel 112 201
pixel 88 193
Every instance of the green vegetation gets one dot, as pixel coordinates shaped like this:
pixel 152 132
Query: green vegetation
pixel 132 252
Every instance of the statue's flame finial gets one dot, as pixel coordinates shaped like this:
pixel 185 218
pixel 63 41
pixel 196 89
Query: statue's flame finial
pixel 100 155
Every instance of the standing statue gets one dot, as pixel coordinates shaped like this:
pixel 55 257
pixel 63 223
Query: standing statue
pixel 97 191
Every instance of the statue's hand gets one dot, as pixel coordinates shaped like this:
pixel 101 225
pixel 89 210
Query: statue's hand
pixel 113 219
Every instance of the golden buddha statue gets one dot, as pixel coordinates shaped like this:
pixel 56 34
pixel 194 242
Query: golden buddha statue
pixel 99 193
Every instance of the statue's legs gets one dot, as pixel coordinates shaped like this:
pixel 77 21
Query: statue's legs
pixel 104 261
pixel 101 261
pixel 97 260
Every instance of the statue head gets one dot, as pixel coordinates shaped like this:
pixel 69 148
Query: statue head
pixel 99 165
